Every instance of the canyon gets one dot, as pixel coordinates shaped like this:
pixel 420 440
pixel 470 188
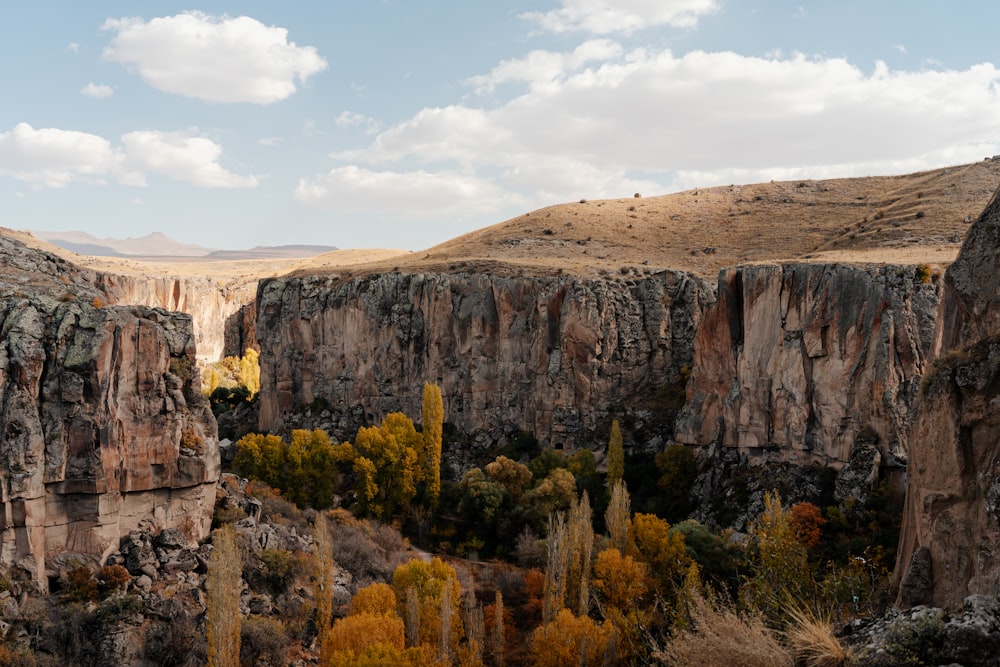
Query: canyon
pixel 808 362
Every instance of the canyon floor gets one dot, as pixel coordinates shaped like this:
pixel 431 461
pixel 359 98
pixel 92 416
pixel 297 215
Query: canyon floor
pixel 908 219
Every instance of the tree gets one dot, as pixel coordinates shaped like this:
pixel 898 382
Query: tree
pixel 659 548
pixel 616 456
pixel 432 414
pixel 377 598
pixel 387 477
pixel 807 523
pixel 618 517
pixel 497 633
pixel 557 566
pixel 223 585
pixel 678 470
pixel 569 640
pixel 619 580
pixel 511 475
pixel 580 530
pixel 250 371
pixel 435 586
pixel 324 586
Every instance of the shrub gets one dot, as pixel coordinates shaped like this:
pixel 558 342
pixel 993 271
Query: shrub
pixel 113 578
pixel 812 640
pixel 263 642
pixel 719 637
pixel 80 584
pixel 923 273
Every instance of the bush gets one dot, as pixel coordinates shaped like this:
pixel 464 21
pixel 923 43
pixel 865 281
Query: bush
pixel 113 578
pixel 263 642
pixel 81 585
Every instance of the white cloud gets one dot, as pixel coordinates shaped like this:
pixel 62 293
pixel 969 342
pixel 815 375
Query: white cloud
pixel 214 58
pixel 97 90
pixel 54 158
pixel 74 47
pixel 415 194
pixel 349 119
pixel 899 47
pixel 269 141
pixel 651 121
pixel 623 16
pixel 182 156
pixel 541 67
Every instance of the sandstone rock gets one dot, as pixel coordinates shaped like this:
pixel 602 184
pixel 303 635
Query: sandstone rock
pixel 555 356
pixel 94 403
pixel 953 481
pixel 794 362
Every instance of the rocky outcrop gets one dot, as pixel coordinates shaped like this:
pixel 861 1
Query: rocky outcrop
pixel 210 303
pixel 797 363
pixel 951 523
pixel 104 429
pixel 556 356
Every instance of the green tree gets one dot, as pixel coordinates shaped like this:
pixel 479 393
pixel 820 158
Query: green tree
pixel 513 476
pixel 432 414
pixel 616 456
pixel 222 598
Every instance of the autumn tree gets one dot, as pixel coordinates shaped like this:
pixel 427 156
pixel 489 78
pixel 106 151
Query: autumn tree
pixel 580 534
pixel 621 583
pixel 223 585
pixel 437 595
pixel 386 465
pixel 511 475
pixel 323 596
pixel 432 414
pixel 781 574
pixel 250 371
pixel 659 547
pixel 497 631
pixel 807 523
pixel 570 640
pixel 556 568
pixel 377 598
pixel 618 516
pixel 616 456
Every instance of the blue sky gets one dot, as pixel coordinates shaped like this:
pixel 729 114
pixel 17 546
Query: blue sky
pixel 402 124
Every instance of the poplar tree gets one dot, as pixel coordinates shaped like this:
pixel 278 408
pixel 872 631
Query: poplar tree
pixel 324 586
pixel 498 630
pixel 618 516
pixel 616 456
pixel 432 415
pixel 222 597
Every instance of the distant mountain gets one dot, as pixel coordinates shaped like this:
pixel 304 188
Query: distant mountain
pixel 160 245
pixel 273 252
pixel 151 245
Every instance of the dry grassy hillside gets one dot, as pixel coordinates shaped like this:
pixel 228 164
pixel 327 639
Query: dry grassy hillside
pixel 914 218
pixel 909 219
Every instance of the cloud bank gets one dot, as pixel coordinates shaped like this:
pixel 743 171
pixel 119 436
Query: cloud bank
pixel 55 158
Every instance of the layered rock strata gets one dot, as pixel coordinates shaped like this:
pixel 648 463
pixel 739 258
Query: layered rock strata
pixel 798 362
pixel 556 356
pixel 950 543
pixel 104 429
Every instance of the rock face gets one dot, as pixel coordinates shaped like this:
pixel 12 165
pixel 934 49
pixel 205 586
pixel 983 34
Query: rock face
pixel 797 363
pixel 209 303
pixel 952 513
pixel 104 426
pixel 556 356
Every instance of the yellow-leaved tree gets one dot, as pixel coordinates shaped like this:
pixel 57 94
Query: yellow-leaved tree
pixel 386 465
pixel 433 592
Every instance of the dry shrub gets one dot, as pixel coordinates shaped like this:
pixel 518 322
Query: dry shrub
pixel 812 640
pixel 719 637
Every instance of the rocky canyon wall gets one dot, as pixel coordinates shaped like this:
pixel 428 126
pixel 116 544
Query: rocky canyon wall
pixel 556 356
pixel 950 544
pixel 796 362
pixel 103 425
pixel 210 303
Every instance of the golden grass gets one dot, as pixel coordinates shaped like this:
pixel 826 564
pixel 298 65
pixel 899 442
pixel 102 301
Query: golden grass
pixel 719 637
pixel 812 641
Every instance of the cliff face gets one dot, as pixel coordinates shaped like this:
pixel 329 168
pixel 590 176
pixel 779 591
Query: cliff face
pixel 801 360
pixel 951 521
pixel 104 426
pixel 210 304
pixel 555 356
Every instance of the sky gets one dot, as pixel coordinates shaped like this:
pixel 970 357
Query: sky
pixel 392 123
